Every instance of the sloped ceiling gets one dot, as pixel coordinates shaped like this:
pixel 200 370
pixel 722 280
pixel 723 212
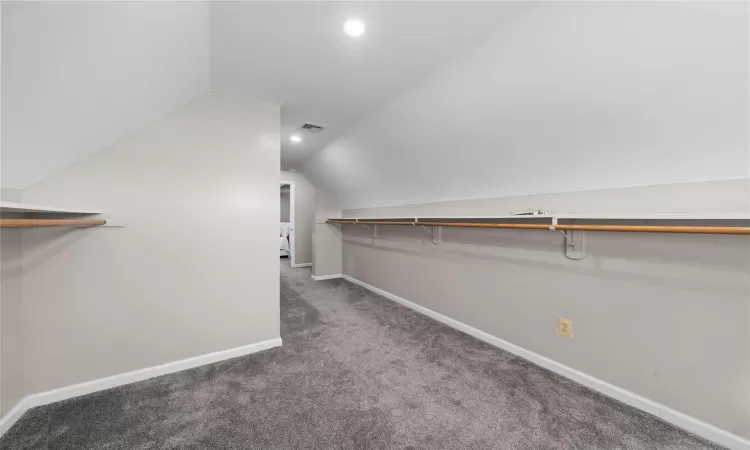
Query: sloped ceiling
pixel 568 96
pixel 438 100
pixel 295 54
pixel 77 76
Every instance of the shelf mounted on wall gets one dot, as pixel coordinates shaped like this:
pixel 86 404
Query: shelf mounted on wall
pixel 36 223
pixel 27 215
pixel 646 223
pixel 573 226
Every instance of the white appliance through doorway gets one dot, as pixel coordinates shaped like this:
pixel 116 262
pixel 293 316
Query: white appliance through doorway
pixel 292 228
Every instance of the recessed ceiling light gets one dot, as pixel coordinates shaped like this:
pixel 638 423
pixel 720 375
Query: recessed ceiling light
pixel 354 28
pixel 295 138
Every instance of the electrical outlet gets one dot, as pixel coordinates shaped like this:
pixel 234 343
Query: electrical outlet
pixel 564 327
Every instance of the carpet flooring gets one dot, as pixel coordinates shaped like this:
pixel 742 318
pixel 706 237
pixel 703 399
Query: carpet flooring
pixel 356 371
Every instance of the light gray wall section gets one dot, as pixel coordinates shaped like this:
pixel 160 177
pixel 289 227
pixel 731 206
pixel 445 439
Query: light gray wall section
pixel 706 197
pixel 326 238
pixel 11 290
pixel 11 296
pixel 192 272
pixel 10 195
pixel 284 216
pixel 304 215
pixel 664 316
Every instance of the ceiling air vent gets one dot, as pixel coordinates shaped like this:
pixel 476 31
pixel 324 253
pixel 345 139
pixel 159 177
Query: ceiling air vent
pixel 312 128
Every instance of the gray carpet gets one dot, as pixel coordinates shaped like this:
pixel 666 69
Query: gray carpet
pixel 356 372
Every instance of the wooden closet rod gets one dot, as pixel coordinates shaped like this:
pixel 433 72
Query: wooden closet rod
pixel 536 226
pixel 29 223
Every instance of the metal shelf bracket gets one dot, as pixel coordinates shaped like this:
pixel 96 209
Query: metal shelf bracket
pixel 573 241
pixel 436 233
pixel 574 244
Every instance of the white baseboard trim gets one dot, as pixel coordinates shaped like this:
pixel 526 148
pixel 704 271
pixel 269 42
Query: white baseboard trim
pixel 676 418
pixel 297 266
pixel 12 416
pixel 88 387
pixel 705 430
pixel 326 277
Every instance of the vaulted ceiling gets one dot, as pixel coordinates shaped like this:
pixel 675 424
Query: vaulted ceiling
pixel 437 100
pixel 295 54
pixel 568 96
pixel 76 76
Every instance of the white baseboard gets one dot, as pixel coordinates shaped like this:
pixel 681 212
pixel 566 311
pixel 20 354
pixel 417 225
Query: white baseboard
pixel 676 418
pixel 88 387
pixel 12 416
pixel 326 277
pixel 297 266
pixel 703 429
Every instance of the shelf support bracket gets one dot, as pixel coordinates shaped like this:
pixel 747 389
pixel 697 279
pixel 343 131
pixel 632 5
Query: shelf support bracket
pixel 574 244
pixel 337 228
pixel 567 238
pixel 436 233
pixel 573 241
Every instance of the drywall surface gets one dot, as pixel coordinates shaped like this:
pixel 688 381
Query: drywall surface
pixel 663 316
pixel 11 290
pixel 304 215
pixel 193 272
pixel 568 96
pixel 9 195
pixel 326 238
pixel 302 60
pixel 284 216
pixel 76 76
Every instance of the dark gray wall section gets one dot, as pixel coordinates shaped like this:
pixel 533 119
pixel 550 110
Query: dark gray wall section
pixel 285 204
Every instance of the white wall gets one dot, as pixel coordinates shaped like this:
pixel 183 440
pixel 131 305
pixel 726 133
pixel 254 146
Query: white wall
pixel 326 238
pixel 76 76
pixel 12 388
pixel 304 215
pixel 192 272
pixel 569 96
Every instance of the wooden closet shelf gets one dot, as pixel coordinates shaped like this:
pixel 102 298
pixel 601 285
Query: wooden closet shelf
pixel 549 223
pixel 32 223
pixel 16 207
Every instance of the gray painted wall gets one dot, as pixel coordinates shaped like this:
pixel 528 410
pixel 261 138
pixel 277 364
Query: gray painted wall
pixel 284 216
pixel 304 215
pixel 664 316
pixel 192 271
pixel 326 238
pixel 9 195
pixel 11 353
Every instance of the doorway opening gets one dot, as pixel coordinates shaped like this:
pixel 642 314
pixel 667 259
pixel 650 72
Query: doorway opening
pixel 286 200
